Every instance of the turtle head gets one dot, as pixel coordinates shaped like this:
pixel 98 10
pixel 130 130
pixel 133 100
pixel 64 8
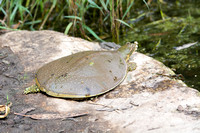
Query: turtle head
pixel 128 49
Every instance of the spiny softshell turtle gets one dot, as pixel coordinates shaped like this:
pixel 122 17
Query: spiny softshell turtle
pixel 85 74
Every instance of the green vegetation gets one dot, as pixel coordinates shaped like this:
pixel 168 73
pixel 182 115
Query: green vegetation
pixel 86 18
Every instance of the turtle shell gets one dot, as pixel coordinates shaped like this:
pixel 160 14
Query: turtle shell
pixel 82 75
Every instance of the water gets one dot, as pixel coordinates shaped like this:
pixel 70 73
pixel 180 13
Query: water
pixel 162 33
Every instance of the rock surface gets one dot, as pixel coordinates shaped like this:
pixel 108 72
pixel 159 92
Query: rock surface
pixel 147 101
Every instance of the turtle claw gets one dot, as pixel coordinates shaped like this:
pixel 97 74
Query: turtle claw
pixel 32 89
pixel 132 66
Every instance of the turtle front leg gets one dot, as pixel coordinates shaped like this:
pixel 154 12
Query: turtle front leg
pixel 132 66
pixel 32 89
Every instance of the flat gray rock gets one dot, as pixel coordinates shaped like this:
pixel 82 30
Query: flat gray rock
pixel 147 101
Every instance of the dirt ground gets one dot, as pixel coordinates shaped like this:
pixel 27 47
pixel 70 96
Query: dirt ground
pixel 13 81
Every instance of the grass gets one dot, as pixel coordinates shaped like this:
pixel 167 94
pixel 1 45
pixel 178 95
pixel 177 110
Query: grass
pixel 90 19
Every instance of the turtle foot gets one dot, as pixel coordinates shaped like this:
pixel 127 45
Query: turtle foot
pixel 132 66
pixel 32 89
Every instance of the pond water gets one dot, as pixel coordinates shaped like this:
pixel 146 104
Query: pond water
pixel 170 33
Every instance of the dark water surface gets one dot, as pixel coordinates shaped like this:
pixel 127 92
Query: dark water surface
pixel 170 33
